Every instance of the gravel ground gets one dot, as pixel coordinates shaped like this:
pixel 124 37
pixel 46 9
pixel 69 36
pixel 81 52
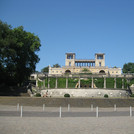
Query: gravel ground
pixel 65 125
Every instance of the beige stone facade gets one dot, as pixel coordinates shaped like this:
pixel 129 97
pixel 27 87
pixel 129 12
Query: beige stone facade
pixel 76 66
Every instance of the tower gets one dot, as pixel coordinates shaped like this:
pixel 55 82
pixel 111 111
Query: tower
pixel 70 59
pixel 99 59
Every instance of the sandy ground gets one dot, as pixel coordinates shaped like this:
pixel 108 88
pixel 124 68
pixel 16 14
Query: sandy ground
pixel 65 125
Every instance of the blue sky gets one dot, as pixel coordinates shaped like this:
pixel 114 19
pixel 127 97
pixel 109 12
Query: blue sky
pixel 84 27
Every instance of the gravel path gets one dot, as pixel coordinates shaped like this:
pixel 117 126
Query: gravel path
pixel 66 125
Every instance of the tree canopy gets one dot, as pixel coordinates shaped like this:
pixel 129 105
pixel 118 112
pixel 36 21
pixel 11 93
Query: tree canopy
pixel 18 53
pixel 45 69
pixel 128 68
pixel 56 65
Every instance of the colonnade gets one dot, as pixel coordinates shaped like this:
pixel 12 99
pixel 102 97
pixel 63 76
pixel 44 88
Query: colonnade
pixel 115 83
pixel 85 64
pixel 79 82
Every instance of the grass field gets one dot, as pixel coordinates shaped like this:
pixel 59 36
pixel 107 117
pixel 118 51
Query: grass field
pixel 99 82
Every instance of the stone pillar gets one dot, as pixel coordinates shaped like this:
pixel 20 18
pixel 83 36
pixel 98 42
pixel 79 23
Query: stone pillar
pixel 37 80
pixel 56 83
pixel 115 83
pixel 92 83
pixel 79 82
pixel 122 83
pixel 48 83
pixel 104 82
pixel 66 82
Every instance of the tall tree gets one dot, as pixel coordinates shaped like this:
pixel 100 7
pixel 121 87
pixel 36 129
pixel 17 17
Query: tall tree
pixel 45 69
pixel 18 54
pixel 6 41
pixel 128 68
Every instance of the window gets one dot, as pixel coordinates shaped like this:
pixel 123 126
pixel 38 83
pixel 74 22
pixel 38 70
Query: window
pixel 102 72
pixel 69 63
pixel 100 64
pixel 70 57
pixel 100 57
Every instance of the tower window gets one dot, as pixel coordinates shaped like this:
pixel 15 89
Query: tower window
pixel 69 63
pixel 100 64
pixel 99 56
pixel 69 56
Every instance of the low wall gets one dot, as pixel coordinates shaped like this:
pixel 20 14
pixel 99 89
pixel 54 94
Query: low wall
pixel 132 88
pixel 84 92
pixel 74 102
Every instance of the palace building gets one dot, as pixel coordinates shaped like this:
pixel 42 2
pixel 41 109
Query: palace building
pixel 78 66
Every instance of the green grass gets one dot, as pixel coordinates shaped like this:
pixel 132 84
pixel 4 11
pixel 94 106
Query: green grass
pixel 61 82
pixel 99 82
pixel 52 82
pixel 119 82
pixel 40 84
pixel 72 82
pixel 110 82
pixel 86 83
pixel 46 82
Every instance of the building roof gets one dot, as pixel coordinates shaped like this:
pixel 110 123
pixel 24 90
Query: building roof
pixel 70 53
pixel 84 60
pixel 100 53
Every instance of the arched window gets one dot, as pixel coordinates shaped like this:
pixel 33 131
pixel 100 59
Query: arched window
pixel 102 72
pixel 67 71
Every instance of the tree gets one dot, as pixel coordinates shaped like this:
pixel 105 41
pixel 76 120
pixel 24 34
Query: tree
pixel 128 68
pixel 85 70
pixel 18 53
pixel 56 65
pixel 45 69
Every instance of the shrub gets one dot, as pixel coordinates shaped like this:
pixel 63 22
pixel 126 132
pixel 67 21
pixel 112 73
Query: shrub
pixel 132 95
pixel 66 95
pixel 38 95
pixel 105 96
pixel 40 83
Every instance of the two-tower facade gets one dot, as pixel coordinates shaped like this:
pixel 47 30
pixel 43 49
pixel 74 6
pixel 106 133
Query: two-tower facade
pixel 76 66
pixel 98 62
